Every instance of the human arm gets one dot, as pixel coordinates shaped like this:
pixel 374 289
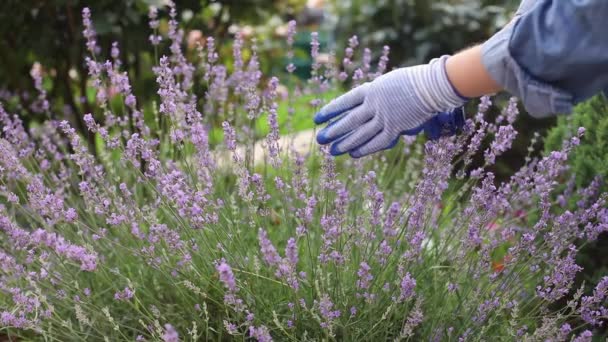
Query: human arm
pixel 535 57
pixel 425 98
pixel 468 74
pixel 372 116
pixel 553 55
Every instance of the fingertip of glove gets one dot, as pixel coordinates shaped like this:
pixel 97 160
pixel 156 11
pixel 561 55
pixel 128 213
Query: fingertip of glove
pixel 320 118
pixel 322 139
pixel 355 154
pixel 392 144
pixel 335 151
pixel 324 116
pixel 317 119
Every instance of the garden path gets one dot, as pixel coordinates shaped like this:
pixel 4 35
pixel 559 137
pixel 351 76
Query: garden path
pixel 302 143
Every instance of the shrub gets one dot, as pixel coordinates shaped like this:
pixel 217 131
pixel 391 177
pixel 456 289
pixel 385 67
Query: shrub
pixel 49 33
pixel 419 30
pixel 588 168
pixel 590 160
pixel 155 239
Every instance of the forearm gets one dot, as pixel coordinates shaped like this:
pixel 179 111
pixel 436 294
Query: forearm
pixel 468 74
pixel 551 56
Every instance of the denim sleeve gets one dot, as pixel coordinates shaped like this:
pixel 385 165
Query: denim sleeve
pixel 553 55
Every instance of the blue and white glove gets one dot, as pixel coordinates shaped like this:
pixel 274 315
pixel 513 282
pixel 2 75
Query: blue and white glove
pixel 372 116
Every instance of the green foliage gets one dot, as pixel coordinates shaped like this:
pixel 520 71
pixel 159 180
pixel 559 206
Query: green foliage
pixel 162 217
pixel 588 161
pixel 591 157
pixel 50 32
pixel 417 30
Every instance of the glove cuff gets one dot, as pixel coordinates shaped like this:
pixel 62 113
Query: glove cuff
pixel 433 87
pixel 445 72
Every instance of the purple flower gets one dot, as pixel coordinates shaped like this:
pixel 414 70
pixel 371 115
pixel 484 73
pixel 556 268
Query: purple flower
pixel 484 106
pixel 124 295
pixel 170 92
pixel 383 252
pixel 327 311
pixel 383 62
pixel 506 134
pixel 155 39
pixel 314 46
pixel 353 42
pixel 226 275
pixel 41 105
pixel 310 209
pixel 153 16
pixel 558 283
pixel 115 52
pixel 365 277
pixel 367 59
pixel 376 197
pixel 71 215
pixel 130 101
pixel 231 328
pixel 272 140
pixel 414 319
pixel 592 309
pixel 170 334
pixel 261 333
pixel 237 53
pixel 269 253
pixel 40 237
pixel 291 32
pixel 485 309
pixel 291 251
pixel 390 220
pixel 229 136
pixel 585 336
pixel 11 197
pixel 89 32
pixel 408 284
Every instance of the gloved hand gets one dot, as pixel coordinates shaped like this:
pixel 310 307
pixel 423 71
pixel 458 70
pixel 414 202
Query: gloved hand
pixel 443 124
pixel 374 115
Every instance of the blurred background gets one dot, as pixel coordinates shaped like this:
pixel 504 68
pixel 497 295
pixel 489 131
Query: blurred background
pixel 46 35
pixel 49 32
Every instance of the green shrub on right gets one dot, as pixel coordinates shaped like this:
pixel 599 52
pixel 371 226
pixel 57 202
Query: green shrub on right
pixel 590 159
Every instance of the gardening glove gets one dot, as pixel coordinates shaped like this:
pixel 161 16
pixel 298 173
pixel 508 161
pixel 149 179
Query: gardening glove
pixel 372 116
pixel 441 125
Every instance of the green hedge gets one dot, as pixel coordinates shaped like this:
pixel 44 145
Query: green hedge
pixel 588 160
pixel 591 157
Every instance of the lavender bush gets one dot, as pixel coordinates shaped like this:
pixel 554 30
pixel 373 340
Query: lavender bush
pixel 162 236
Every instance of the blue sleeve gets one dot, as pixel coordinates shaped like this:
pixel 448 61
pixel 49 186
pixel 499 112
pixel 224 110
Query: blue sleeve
pixel 553 55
